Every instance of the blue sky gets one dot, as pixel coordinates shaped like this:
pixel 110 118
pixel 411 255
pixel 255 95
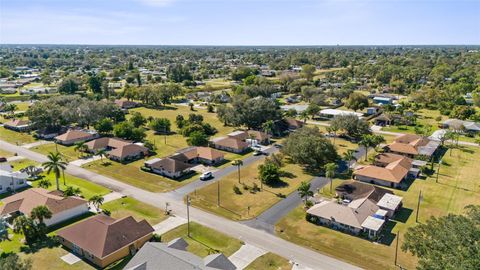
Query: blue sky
pixel 240 22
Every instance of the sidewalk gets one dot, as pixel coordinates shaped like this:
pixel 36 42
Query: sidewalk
pixel 38 143
pixel 83 161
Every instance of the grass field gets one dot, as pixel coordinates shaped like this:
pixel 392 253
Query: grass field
pixel 458 186
pixel 131 174
pixel 124 207
pixel 215 84
pixel 68 152
pixel 270 261
pixel 203 240
pixel 235 206
pixel 14 137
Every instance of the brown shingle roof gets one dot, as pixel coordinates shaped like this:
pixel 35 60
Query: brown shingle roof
pixel 17 123
pixel 200 151
pixel 171 165
pixel 230 143
pixel 102 235
pixel 128 150
pixel 393 172
pixel 73 134
pixel 26 200
pixel 104 142
pixel 386 158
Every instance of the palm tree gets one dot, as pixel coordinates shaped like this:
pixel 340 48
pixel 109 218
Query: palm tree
pixel 268 128
pixel 40 213
pixel 72 191
pixel 44 183
pixel 330 170
pixel 102 153
pixel 80 147
pixel 366 142
pixel 349 156
pixel 56 164
pixel 97 201
pixel 24 225
pixel 304 191
pixel 238 163
pixel 304 116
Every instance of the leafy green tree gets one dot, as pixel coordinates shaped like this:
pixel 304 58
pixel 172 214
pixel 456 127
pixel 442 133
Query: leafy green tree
pixel 160 125
pixel 269 173
pixel 462 112
pixel 56 165
pixel 356 101
pixel 312 110
pixel 447 242
pixel 95 83
pixel 307 146
pixel 197 138
pixel 351 125
pixel 11 261
pixel 308 71
pixel 104 126
pixel 126 130
pixel 179 73
pixel 137 119
pixel 26 226
pixel 69 85
pixel 241 73
pixel 304 191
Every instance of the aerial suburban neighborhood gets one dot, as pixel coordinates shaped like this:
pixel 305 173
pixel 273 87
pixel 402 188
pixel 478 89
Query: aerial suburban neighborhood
pixel 117 155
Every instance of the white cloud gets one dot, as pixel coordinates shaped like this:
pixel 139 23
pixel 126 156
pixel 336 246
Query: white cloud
pixel 157 3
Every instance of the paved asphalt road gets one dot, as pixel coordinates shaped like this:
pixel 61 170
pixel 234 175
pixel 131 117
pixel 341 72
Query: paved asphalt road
pixel 259 238
pixel 189 188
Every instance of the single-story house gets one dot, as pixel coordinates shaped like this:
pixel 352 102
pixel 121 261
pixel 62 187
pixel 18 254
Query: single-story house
pixel 73 136
pixel 229 144
pixel 371 110
pixel 383 100
pixel 467 126
pixel 118 149
pixel 200 154
pixel 389 174
pixel 412 145
pixel 126 104
pixel 10 180
pixel 18 125
pixel 169 167
pixel 362 208
pixel 331 113
pixel 174 255
pixel 103 240
pixel 62 208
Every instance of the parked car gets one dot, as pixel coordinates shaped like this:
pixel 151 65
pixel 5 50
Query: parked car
pixel 206 176
pixel 257 153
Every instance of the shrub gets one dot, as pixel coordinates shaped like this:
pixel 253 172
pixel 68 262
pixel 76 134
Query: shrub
pixel 236 190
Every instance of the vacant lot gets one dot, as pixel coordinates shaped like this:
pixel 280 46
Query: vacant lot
pixel 204 241
pixel 457 187
pixel 235 206
pixel 124 207
pixel 14 137
pixel 132 175
pixel 68 152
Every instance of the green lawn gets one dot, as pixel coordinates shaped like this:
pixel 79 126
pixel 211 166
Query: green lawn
pixel 14 137
pixel 270 261
pixel 68 152
pixel 235 206
pixel 216 84
pixel 458 186
pixel 203 240
pixel 124 207
pixel 131 174
pixel 88 189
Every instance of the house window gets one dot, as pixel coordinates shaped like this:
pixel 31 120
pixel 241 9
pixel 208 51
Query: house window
pixel 1 187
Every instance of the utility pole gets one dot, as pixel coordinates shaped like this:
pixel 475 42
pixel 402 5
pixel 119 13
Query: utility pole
pixel 218 193
pixel 166 208
pixel 420 198
pixel 248 210
pixel 165 134
pixel 396 248
pixel 438 170
pixel 188 216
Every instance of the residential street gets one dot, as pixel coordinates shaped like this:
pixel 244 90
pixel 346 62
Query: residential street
pixel 217 175
pixel 250 235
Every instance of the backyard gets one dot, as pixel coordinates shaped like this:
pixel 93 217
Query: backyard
pixel 18 138
pixel 68 152
pixel 457 187
pixel 249 203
